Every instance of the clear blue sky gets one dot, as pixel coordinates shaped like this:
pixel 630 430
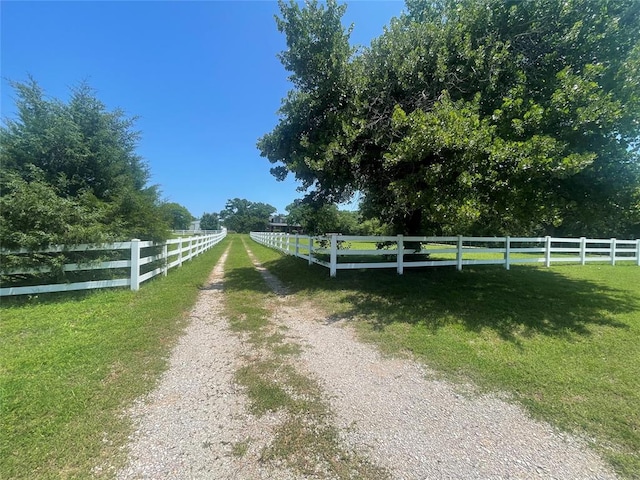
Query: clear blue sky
pixel 202 76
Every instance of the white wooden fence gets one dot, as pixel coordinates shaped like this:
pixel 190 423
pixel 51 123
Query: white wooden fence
pixel 333 250
pixel 174 253
pixel 195 232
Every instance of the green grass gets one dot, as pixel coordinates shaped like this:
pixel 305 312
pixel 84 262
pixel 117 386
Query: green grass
pixel 564 341
pixel 71 363
pixel 239 449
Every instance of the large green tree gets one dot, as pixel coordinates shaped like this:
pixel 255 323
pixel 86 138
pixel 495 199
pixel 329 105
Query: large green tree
pixel 69 173
pixel 210 221
pixel 324 218
pixel 472 116
pixel 178 216
pixel 79 145
pixel 307 141
pixel 243 216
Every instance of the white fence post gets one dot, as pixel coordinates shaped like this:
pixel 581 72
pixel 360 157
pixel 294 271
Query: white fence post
pixel 297 245
pixel 400 258
pixel 165 259
pixel 179 251
pixel 638 252
pixel 135 264
pixel 583 250
pixel 547 251
pixel 333 265
pixel 459 254
pixel 310 249
pixel 507 253
pixel 613 251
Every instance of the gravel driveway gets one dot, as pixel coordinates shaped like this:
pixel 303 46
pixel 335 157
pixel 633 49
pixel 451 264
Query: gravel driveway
pixel 393 411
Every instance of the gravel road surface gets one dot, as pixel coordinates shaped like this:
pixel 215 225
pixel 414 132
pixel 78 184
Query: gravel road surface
pixel 393 411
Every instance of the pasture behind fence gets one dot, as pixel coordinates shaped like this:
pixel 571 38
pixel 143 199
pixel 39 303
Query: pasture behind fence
pixel 139 261
pixel 350 252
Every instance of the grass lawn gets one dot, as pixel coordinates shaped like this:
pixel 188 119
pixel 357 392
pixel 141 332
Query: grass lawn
pixel 564 341
pixel 71 363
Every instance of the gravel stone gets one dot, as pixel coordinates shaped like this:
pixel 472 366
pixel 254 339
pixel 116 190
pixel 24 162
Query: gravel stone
pixel 188 426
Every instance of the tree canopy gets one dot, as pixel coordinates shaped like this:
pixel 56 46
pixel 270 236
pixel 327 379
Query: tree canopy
pixel 70 173
pixel 210 221
pixel 178 216
pixel 79 146
pixel 242 216
pixel 327 218
pixel 469 116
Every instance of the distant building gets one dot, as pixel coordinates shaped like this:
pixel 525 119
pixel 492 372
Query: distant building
pixel 195 226
pixel 278 223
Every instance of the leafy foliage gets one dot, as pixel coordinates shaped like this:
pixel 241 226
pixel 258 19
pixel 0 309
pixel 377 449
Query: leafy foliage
pixel 473 116
pixel 210 221
pixel 318 219
pixel 70 174
pixel 307 139
pixel 79 146
pixel 178 216
pixel 242 216
pixel 33 215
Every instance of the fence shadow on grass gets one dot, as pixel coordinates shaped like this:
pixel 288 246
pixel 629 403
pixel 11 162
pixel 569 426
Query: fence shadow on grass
pixel 521 302
pixel 52 298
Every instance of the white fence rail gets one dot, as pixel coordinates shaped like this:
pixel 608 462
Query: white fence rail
pixel 173 253
pixel 195 232
pixel 333 251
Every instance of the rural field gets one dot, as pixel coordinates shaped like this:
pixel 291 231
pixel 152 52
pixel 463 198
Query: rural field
pixel 563 342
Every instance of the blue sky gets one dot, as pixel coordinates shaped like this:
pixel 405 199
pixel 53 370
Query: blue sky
pixel 202 77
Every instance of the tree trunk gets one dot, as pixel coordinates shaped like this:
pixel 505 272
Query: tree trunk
pixel 413 227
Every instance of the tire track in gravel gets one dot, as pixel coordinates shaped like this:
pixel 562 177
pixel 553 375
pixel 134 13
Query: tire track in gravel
pixel 394 413
pixel 193 425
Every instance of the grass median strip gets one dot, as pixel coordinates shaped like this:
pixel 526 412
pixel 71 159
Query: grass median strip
pixel 70 363
pixel 564 341
pixel 306 441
